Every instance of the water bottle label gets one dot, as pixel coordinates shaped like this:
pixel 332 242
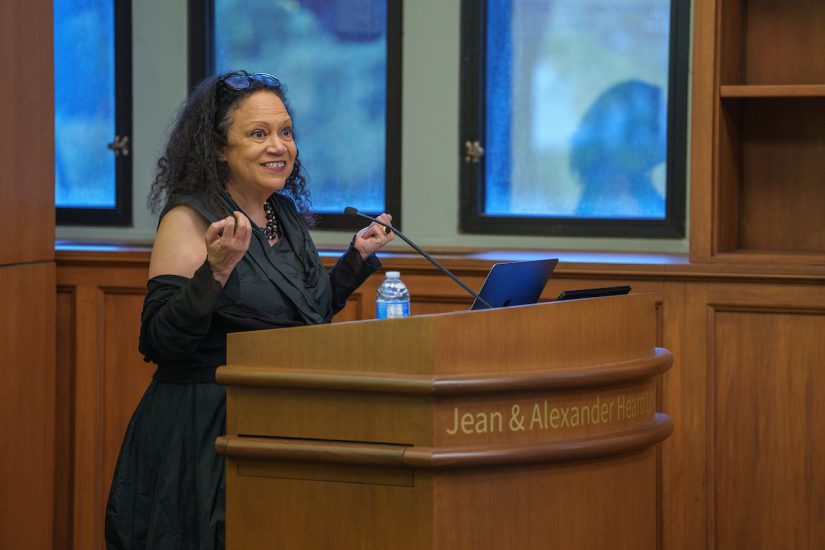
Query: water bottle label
pixel 392 310
pixel 399 309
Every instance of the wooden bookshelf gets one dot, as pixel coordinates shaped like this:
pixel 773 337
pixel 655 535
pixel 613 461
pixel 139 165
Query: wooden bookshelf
pixel 758 166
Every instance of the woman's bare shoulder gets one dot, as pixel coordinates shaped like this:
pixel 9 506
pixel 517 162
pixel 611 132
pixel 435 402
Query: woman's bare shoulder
pixel 179 247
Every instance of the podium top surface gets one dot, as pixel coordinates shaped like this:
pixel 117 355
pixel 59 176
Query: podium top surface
pixel 534 337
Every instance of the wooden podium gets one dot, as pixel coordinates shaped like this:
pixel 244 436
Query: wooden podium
pixel 520 428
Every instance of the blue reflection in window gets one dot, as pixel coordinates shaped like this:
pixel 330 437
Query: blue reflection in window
pixel 84 67
pixel 332 58
pixel 576 108
pixel 617 144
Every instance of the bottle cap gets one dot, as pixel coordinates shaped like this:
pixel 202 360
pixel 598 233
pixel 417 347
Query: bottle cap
pixel 393 275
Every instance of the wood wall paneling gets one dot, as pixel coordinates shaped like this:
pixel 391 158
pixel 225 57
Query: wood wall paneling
pixel 87 514
pixel 27 275
pixel 352 311
pixel 702 139
pixel 99 309
pixel 768 449
pixel 683 453
pixel 26 104
pixel 110 378
pixel 767 480
pixel 64 418
pixel 125 375
pixel 27 392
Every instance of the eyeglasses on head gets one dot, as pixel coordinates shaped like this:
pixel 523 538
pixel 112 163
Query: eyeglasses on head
pixel 242 80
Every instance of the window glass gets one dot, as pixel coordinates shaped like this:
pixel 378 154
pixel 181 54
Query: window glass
pixel 84 79
pixel 576 109
pixel 580 126
pixel 332 57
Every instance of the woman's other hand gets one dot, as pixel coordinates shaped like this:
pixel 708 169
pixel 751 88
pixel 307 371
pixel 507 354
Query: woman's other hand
pixel 370 239
pixel 227 240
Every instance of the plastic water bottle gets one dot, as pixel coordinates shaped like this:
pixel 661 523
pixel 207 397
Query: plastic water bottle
pixel 393 298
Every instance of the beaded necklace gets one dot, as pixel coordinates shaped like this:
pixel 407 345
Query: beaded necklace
pixel 273 227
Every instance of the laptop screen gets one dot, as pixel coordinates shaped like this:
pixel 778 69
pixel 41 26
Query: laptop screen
pixel 515 283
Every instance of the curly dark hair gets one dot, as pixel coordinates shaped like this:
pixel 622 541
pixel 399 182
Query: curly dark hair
pixel 190 163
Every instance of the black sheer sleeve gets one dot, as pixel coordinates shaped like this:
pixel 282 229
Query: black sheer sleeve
pixel 177 313
pixel 347 275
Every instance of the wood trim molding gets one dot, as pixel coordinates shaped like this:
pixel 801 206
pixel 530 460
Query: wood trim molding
pixel 640 368
pixel 585 265
pixel 440 458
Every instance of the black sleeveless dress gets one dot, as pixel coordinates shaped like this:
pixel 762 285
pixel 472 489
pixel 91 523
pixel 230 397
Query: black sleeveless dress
pixel 168 489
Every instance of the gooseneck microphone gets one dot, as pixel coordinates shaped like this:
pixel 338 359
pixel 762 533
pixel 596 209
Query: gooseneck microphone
pixel 350 211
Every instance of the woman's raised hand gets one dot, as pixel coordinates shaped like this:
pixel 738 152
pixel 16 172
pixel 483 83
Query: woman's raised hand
pixel 373 237
pixel 227 240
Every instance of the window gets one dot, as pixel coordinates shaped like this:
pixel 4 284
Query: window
pixel 93 112
pixel 574 117
pixel 341 64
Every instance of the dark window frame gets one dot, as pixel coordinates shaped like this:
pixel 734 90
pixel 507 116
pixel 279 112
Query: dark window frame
pixel 472 121
pixel 202 63
pixel 121 214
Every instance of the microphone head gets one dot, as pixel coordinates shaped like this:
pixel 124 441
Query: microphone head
pixel 350 211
